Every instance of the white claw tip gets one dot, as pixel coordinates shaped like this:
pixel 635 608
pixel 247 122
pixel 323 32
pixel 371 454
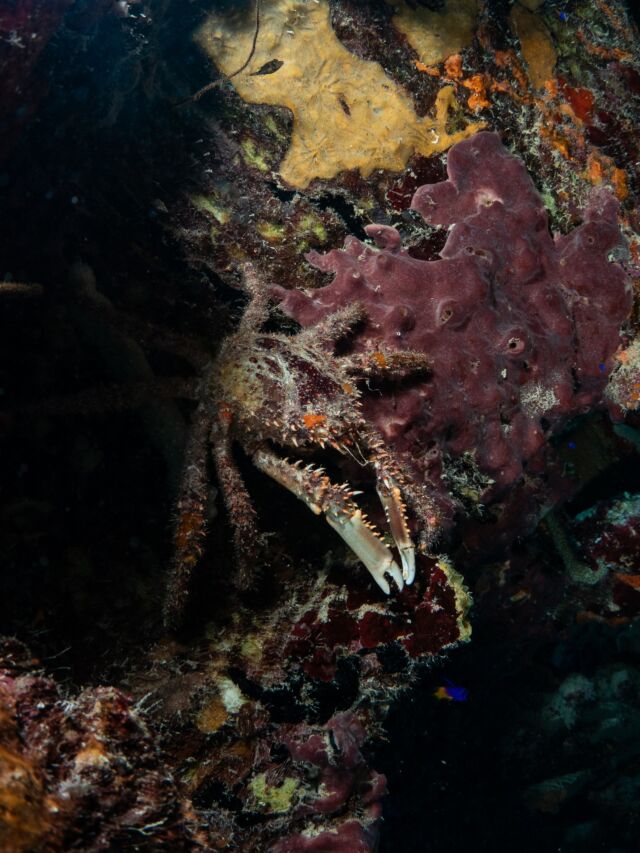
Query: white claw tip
pixel 382 583
pixel 396 574
pixel 408 557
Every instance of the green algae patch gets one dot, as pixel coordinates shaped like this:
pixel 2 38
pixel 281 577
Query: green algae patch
pixel 550 203
pixel 273 128
pixel 252 157
pixel 208 204
pixel 313 225
pixel 309 231
pixel 462 597
pixel 251 647
pixel 272 232
pixel 275 799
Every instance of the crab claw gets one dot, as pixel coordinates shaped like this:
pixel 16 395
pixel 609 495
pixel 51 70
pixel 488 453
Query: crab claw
pixel 408 558
pixel 322 496
pixel 391 500
pixel 366 545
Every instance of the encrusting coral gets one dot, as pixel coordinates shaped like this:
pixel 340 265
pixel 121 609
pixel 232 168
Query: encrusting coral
pixel 334 773
pixel 623 391
pixel 347 113
pixel 79 771
pixel 521 328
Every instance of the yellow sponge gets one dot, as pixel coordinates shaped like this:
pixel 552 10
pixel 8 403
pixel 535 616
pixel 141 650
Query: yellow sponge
pixel 347 114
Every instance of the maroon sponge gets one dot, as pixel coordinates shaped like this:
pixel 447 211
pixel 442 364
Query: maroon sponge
pixel 521 326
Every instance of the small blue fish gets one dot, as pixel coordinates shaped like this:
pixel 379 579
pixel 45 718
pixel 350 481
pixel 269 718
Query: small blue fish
pixel 451 692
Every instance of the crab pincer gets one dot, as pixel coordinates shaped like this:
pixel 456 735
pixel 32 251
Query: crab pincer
pixel 312 486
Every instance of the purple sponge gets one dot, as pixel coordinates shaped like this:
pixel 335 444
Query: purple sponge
pixel 521 327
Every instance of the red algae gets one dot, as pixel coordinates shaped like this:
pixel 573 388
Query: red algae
pixel 580 99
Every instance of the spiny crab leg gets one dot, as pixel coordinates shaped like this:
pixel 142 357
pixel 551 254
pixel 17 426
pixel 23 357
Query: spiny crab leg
pixel 312 486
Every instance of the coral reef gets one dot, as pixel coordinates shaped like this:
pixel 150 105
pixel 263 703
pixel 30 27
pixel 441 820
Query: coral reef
pixel 623 392
pixel 589 721
pixel 280 710
pixel 334 773
pixel 80 772
pixel 607 536
pixel 521 328
pixel 553 677
pixel 266 719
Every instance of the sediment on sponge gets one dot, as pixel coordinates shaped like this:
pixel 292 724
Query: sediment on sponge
pixel 521 326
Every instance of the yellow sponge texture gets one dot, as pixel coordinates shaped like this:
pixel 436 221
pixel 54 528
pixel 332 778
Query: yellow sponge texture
pixel 536 45
pixel 435 35
pixel 347 114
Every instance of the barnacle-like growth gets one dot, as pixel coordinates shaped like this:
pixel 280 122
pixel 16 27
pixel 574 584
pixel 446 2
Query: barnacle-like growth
pixel 273 393
pixel 347 114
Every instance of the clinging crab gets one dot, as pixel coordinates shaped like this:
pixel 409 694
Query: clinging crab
pixel 271 393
